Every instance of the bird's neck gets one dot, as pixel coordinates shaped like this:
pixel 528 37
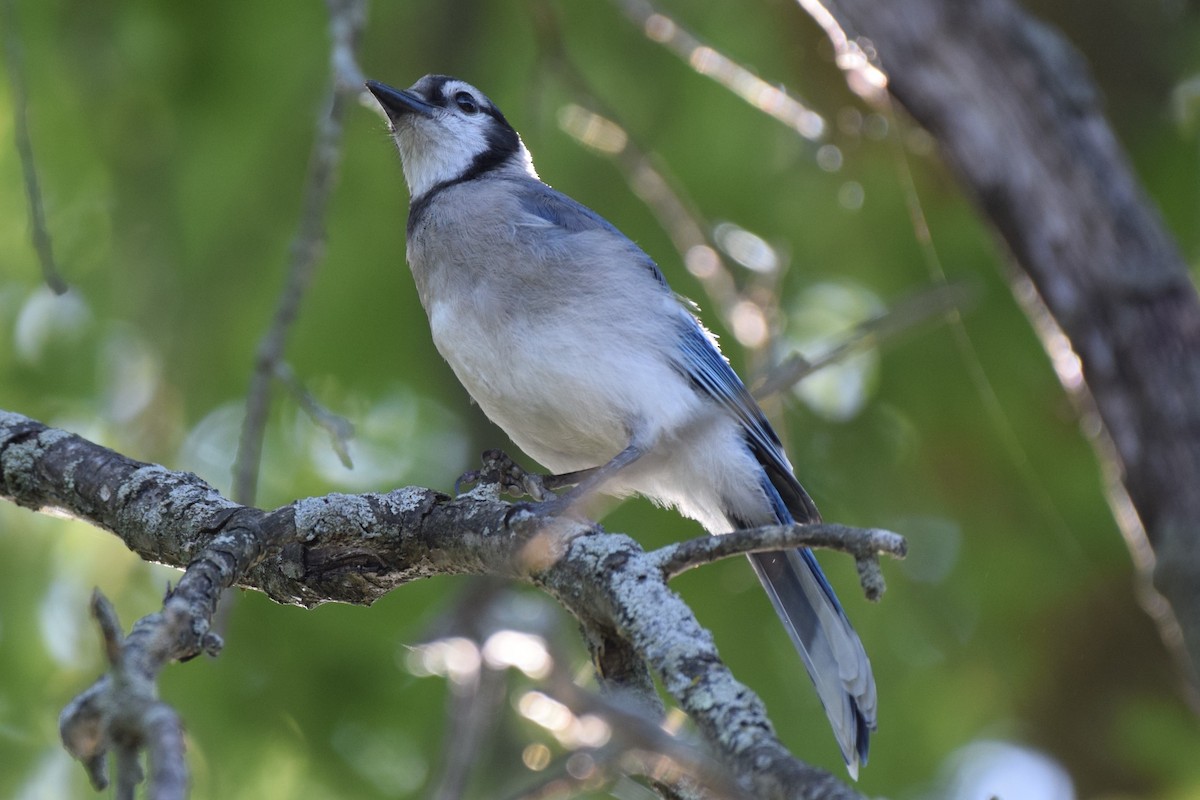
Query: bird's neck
pixel 423 181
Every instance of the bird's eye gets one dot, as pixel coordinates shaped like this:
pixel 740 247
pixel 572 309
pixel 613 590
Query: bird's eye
pixel 466 102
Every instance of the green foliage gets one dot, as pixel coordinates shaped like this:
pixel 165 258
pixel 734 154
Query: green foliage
pixel 172 141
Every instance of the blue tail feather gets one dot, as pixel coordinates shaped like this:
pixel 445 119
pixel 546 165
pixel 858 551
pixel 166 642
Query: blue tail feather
pixel 809 609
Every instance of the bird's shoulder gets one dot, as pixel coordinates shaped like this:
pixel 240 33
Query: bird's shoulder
pixel 536 230
pixel 552 207
pixel 550 212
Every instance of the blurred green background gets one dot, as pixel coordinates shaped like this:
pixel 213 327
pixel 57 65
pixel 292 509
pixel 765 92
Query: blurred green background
pixel 172 140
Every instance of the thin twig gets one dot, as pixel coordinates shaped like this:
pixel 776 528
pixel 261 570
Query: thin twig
pixel 565 778
pixel 676 766
pixel 865 544
pixel 347 18
pixel 340 429
pixel 635 731
pixel 905 315
pixel 474 711
pixel 110 628
pixel 37 215
pixel 775 101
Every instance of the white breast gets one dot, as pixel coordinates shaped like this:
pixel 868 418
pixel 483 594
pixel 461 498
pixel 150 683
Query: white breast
pixel 570 401
pixel 565 339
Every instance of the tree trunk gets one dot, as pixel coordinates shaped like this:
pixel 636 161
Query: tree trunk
pixel 1018 118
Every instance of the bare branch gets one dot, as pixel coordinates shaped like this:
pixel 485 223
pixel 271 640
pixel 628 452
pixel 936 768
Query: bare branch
pixel 768 98
pixel 903 316
pixel 124 713
pixel 474 709
pixel 634 741
pixel 865 544
pixel 686 768
pixel 355 548
pixel 1019 119
pixel 340 429
pixel 37 215
pixel 639 608
pixel 347 18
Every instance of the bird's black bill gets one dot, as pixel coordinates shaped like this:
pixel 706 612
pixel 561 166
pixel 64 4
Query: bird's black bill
pixel 397 102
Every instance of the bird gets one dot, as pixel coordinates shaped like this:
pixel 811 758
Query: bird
pixel 567 336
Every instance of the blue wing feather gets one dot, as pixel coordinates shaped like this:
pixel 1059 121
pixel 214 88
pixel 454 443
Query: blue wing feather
pixel 707 368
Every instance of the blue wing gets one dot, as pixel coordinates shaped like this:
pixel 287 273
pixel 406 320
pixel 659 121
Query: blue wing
pixel 704 365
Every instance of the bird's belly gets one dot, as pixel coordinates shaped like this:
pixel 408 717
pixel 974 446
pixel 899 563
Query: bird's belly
pixel 551 398
pixel 573 403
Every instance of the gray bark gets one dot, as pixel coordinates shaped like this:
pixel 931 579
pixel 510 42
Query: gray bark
pixel 1018 118
pixel 354 549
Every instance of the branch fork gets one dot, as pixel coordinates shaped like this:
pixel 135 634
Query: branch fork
pixel 355 549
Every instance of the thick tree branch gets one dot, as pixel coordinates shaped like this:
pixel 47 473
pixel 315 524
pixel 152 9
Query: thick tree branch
pixel 1018 118
pixel 355 548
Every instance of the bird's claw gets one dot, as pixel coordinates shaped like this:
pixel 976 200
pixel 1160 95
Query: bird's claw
pixel 556 506
pixel 500 470
pixel 469 477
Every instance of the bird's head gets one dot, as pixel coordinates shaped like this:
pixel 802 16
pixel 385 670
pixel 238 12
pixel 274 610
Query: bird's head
pixel 447 130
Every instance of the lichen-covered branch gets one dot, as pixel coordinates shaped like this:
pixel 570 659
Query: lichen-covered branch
pixel 354 549
pixel 864 544
pixel 638 607
pixel 1017 116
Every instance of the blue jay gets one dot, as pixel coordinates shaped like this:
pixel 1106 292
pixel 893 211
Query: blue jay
pixel 568 337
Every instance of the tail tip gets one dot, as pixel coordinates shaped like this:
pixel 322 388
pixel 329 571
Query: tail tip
pixel 854 753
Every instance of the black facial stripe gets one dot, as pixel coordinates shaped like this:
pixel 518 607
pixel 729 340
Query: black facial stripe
pixel 503 144
pixel 437 96
pixel 495 114
pixel 437 89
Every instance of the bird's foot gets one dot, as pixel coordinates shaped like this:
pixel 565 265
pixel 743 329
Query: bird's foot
pixel 500 470
pixel 562 505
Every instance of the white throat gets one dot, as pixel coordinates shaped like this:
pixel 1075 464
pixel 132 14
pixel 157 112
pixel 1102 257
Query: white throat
pixel 428 161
